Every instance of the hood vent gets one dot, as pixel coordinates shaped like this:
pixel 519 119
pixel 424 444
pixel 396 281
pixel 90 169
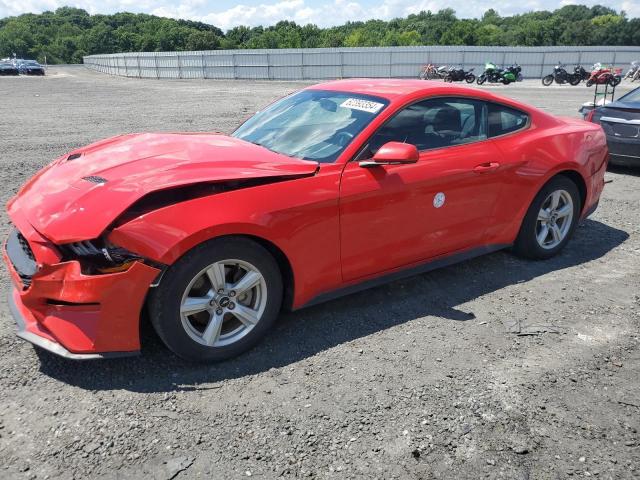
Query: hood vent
pixel 95 179
pixel 73 156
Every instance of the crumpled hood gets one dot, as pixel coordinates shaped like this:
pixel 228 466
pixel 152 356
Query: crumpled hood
pixel 64 205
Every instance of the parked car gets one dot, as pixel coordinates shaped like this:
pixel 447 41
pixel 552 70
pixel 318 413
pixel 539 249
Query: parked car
pixel 30 67
pixel 7 68
pixel 339 187
pixel 620 121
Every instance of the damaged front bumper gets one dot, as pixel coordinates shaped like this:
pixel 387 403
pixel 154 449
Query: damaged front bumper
pixel 69 313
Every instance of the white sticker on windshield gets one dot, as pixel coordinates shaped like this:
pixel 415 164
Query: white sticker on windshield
pixel 364 105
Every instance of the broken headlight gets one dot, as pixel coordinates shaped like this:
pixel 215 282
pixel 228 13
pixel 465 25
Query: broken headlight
pixel 99 256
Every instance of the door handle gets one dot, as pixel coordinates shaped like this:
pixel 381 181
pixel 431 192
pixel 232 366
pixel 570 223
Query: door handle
pixel 486 167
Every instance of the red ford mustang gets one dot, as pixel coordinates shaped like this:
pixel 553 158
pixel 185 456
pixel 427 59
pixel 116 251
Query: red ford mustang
pixel 336 188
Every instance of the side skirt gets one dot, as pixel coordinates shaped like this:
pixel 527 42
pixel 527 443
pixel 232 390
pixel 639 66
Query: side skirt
pixel 405 272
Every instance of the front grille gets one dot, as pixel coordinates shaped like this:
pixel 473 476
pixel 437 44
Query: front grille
pixel 26 248
pixel 21 257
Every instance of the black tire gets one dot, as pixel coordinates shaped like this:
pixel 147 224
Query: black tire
pixel 548 80
pixel 615 80
pixel 575 80
pixel 448 79
pixel 589 82
pixel 526 244
pixel 470 78
pixel 165 300
pixel 481 79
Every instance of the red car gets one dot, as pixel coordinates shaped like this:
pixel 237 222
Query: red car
pixel 333 189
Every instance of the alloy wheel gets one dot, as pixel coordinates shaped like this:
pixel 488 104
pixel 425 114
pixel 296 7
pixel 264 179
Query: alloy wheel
pixel 223 303
pixel 554 219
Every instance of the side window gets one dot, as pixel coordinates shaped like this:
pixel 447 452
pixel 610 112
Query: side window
pixel 434 123
pixel 503 120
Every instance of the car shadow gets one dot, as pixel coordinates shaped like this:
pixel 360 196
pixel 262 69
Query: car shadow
pixel 302 334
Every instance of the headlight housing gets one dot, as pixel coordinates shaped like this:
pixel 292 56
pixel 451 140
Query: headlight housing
pixel 98 256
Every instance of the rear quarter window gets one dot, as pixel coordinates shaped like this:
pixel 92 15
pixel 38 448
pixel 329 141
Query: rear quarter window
pixel 503 120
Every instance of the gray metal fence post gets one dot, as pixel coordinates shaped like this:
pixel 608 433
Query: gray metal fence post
pixel 268 66
pixel 204 71
pixel 126 68
pixel 138 64
pixel 544 56
pixel 463 58
pixel 302 76
pixel 179 65
pixel 390 62
pixel 341 64
pixel 233 62
pixel 155 59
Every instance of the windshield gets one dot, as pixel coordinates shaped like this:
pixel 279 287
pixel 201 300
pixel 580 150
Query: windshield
pixel 632 96
pixel 312 124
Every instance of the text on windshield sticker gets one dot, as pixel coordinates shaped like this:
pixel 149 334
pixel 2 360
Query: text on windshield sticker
pixel 364 105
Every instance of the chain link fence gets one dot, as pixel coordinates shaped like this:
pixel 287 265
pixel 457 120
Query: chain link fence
pixel 330 63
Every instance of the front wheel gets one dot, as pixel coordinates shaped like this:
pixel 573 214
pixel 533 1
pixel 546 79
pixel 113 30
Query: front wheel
pixel 470 78
pixel 575 80
pixel 548 80
pixel 481 79
pixel 218 300
pixel 550 220
pixel 589 82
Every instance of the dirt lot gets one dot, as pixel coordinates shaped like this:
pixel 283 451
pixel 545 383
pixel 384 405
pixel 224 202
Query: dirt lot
pixel 422 378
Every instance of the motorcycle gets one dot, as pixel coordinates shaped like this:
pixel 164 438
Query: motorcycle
pixel 580 71
pixel 432 72
pixel 561 76
pixel 634 72
pixel 493 74
pixel 517 72
pixel 458 75
pixel 601 75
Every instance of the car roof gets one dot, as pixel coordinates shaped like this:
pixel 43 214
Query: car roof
pixel 396 88
pixel 621 102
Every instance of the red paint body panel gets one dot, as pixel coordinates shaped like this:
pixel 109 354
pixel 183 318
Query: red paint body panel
pixel 59 202
pixel 336 224
pixel 105 317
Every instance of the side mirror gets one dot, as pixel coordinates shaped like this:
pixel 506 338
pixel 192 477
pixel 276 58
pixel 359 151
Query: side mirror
pixel 393 153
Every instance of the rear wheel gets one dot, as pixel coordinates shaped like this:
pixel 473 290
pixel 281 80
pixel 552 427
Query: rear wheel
pixel 470 78
pixel 218 300
pixel 548 80
pixel 550 220
pixel 575 80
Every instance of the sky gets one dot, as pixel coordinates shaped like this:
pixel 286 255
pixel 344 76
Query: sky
pixel 226 14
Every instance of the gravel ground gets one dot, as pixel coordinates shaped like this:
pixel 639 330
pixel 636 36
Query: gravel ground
pixel 496 367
